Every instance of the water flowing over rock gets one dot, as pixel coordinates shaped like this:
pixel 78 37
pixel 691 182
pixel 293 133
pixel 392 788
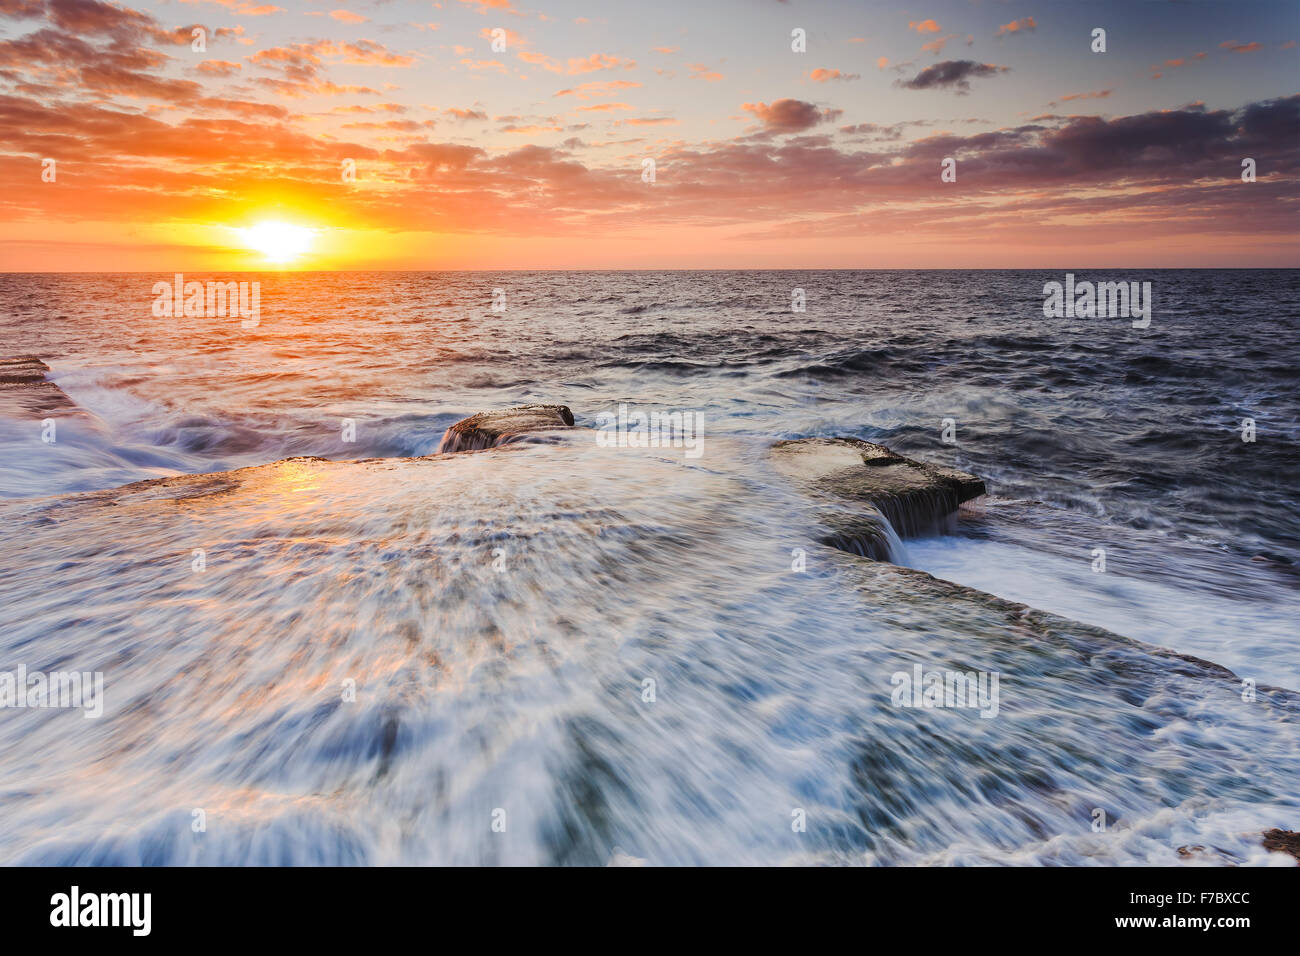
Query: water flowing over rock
pixel 316 645
pixel 489 429
pixel 914 497
pixel 25 392
pixel 319 647
pixel 892 496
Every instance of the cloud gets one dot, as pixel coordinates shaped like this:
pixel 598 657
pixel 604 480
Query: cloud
pixel 700 71
pixel 301 66
pixel 1098 95
pixel 825 76
pixel 370 53
pixel 245 108
pixel 533 130
pixel 598 61
pixel 484 65
pixel 512 38
pixel 302 55
pixel 1022 25
pixel 22 9
pixel 936 46
pixel 245 8
pixel 374 108
pixel 347 16
pixel 923 26
pixel 578 65
pixel 951 75
pixel 176 152
pixel 484 6
pixel 122 68
pixel 219 67
pixel 404 126
pixel 789 115
pixel 1173 173
pixel 1241 47
pixel 586 91
pixel 876 130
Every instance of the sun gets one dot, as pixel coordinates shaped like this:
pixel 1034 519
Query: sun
pixel 278 241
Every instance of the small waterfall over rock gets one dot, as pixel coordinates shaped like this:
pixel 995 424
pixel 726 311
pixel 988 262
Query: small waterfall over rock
pixel 874 497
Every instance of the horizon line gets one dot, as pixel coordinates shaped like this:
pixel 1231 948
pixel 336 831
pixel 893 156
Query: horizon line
pixel 288 272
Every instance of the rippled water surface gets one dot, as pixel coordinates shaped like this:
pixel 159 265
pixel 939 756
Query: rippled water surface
pixel 500 612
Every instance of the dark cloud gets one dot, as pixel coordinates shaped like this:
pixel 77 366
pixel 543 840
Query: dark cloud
pixel 951 75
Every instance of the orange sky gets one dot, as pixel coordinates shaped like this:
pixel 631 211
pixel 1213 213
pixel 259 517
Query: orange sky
pixel 478 134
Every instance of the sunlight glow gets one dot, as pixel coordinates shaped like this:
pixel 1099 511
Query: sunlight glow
pixel 278 241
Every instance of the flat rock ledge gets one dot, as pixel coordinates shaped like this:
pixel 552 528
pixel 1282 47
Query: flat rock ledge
pixel 865 489
pixel 914 497
pixel 24 388
pixel 490 429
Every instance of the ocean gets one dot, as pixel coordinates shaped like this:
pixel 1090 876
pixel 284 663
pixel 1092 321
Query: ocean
pixel 560 653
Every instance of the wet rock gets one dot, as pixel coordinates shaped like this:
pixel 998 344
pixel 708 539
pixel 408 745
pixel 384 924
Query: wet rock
pixel 489 429
pixel 1283 841
pixel 25 392
pixel 23 370
pixel 913 496
pixel 1092 647
pixel 385 567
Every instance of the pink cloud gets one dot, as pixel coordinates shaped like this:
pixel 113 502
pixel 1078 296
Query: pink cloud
pixel 1017 26
pixel 789 115
pixel 825 76
pixel 596 88
pixel 936 46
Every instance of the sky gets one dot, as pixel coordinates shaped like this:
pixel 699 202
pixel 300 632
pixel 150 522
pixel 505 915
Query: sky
pixel 746 134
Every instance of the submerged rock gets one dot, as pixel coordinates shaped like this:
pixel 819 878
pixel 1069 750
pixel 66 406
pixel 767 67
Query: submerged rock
pixel 25 391
pixel 914 497
pixel 489 429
